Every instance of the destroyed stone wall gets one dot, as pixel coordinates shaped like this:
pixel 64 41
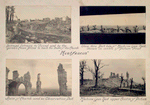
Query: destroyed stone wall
pixel 15 75
pixel 12 85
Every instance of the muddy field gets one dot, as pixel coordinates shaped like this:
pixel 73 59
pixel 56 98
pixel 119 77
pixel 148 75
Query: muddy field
pixel 28 36
pixel 106 91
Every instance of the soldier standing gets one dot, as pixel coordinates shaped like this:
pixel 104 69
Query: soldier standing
pixel 131 86
pixel 118 28
pixel 88 28
pixel 127 75
pixel 136 28
pixel 121 81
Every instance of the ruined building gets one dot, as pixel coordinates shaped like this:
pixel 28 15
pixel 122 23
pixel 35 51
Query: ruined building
pixel 38 85
pixel 62 80
pixel 12 85
pixel 113 75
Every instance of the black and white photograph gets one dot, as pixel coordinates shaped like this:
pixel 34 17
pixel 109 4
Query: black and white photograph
pixel 38 24
pixel 112 25
pixel 112 77
pixel 41 77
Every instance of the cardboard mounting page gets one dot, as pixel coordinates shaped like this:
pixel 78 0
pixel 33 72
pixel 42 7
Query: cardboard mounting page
pixel 50 50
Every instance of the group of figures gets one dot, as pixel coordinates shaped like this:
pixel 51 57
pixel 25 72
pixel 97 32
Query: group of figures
pixel 124 82
pixel 128 82
pixel 12 85
pixel 111 30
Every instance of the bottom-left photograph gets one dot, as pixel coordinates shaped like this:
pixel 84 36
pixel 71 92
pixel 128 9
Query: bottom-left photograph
pixel 38 77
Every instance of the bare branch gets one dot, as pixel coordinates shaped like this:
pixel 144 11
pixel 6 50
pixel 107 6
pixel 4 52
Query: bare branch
pixel 103 66
pixel 99 62
pixel 91 70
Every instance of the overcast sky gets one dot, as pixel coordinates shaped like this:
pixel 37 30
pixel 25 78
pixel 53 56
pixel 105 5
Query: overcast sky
pixel 47 68
pixel 118 19
pixel 40 12
pixel 135 67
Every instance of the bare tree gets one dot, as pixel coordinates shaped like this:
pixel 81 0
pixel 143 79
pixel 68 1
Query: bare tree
pixel 97 73
pixel 10 10
pixel 7 13
pixel 12 13
pixel 82 70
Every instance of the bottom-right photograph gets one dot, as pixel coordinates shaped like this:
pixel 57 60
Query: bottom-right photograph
pixel 112 77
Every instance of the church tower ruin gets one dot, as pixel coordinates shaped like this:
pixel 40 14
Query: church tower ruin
pixel 38 85
pixel 62 80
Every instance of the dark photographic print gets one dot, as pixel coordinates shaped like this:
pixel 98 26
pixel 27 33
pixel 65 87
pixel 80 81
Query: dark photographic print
pixel 38 77
pixel 112 25
pixel 112 77
pixel 38 24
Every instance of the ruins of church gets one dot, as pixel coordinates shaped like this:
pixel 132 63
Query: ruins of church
pixel 12 85
pixel 62 80
pixel 113 75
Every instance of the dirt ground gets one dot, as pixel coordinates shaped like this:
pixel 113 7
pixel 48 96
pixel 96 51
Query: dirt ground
pixel 105 91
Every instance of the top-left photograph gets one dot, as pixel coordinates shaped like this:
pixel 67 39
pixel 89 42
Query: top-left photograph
pixel 38 24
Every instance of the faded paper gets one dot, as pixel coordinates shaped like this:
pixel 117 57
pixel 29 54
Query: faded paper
pixel 72 52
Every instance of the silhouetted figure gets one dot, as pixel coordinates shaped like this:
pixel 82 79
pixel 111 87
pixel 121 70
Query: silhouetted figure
pixel 136 28
pixel 102 29
pixel 94 27
pixel 88 28
pixel 121 81
pixel 131 86
pixel 124 84
pixel 127 30
pixel 144 27
pixel 118 28
pixel 82 28
pixel 127 75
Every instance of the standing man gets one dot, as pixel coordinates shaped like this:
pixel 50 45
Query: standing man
pixel 136 28
pixel 131 86
pixel 121 80
pixel 118 28
pixel 88 28
pixel 127 75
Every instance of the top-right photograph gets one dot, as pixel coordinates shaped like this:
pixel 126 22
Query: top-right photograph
pixel 112 25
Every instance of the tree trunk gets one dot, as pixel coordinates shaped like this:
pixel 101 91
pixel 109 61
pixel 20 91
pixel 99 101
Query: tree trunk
pixel 96 78
pixel 82 78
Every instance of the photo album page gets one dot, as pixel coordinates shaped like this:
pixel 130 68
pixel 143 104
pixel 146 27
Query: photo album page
pixel 74 52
